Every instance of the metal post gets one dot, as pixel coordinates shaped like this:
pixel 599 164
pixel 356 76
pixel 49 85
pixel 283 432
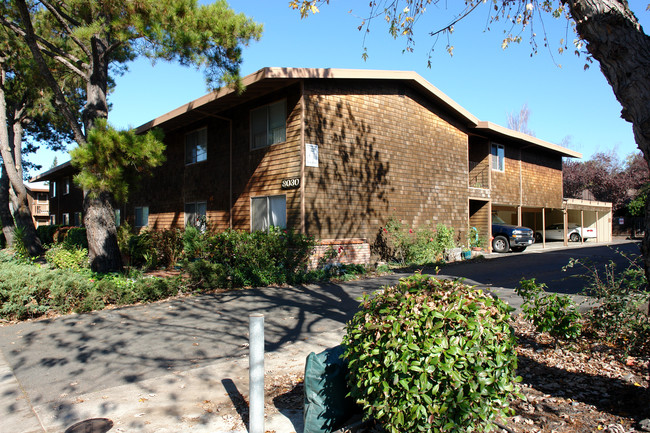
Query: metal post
pixel 256 373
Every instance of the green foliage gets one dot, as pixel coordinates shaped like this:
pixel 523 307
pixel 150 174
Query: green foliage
pixel 46 233
pixel 621 299
pixel 549 312
pixel 112 160
pixel 28 291
pixel 194 243
pixel 432 355
pixel 420 246
pixel 67 257
pixel 152 249
pixel 76 238
pixel 255 259
pixel 19 245
pixel 475 239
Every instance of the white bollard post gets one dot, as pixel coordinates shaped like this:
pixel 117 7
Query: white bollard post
pixel 256 373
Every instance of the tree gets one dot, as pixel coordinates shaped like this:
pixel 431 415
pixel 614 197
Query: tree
pixel 519 121
pixel 608 30
pixel 27 116
pixel 101 37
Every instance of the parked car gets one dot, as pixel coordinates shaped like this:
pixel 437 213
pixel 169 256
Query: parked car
pixel 506 237
pixel 555 232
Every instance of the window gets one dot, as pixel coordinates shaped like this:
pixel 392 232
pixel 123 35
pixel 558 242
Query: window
pixel 498 157
pixel 118 217
pixel 78 220
pixel 53 187
pixel 268 211
pixel 142 216
pixel 195 214
pixel 66 186
pixel 269 125
pixel 52 220
pixel 66 219
pixel 196 146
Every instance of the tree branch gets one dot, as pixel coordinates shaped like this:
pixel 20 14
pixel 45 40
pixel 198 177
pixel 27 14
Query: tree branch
pixel 48 48
pixel 62 20
pixel 30 40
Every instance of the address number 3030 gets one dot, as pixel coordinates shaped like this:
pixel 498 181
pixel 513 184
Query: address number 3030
pixel 291 183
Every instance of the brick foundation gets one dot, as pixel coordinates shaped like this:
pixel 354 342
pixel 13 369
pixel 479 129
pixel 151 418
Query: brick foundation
pixel 349 251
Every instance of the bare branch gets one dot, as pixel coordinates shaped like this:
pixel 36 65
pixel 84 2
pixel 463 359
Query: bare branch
pixel 62 20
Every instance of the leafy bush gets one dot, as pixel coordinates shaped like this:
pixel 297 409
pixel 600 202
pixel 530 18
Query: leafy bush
pixel 46 233
pixel 397 242
pixel 194 243
pixel 207 275
pixel 549 312
pixel 432 355
pixel 620 314
pixel 3 241
pixel 67 257
pixel 76 238
pixel 152 249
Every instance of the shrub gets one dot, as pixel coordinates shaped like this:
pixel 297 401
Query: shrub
pixel 3 241
pixel 76 238
pixel 549 312
pixel 397 242
pixel 194 243
pixel 46 233
pixel 64 257
pixel 207 275
pixel 432 355
pixel 620 314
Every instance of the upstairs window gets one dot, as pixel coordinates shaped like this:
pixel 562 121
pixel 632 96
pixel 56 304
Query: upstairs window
pixel 498 157
pixel 268 212
pixel 78 219
pixel 65 220
pixel 196 214
pixel 53 189
pixel 142 216
pixel 269 124
pixel 66 186
pixel 41 197
pixel 196 146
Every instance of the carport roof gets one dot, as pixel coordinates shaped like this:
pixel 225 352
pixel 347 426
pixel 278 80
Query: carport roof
pixel 269 79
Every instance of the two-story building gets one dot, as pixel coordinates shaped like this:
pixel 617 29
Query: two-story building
pixel 335 153
pixel 39 203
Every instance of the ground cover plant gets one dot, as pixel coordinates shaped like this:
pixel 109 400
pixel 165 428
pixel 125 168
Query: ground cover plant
pixel 432 355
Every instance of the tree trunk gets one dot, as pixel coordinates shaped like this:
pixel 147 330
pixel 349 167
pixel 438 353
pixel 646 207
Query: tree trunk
pixel 615 38
pixel 6 219
pixel 99 220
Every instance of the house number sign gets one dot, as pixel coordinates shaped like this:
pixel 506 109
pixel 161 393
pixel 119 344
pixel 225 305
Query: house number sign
pixel 291 183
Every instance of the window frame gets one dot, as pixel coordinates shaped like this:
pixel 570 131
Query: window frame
pixel 53 183
pixel 195 159
pixel 268 132
pixel 268 212
pixel 65 219
pixel 66 186
pixel 500 159
pixel 118 217
pixel 78 219
pixel 135 216
pixel 52 219
pixel 201 226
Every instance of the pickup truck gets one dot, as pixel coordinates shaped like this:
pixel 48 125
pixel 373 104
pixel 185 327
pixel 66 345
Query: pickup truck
pixel 506 237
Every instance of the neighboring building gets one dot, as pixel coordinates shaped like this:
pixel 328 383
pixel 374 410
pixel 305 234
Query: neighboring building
pixel 38 201
pixel 66 199
pixel 335 153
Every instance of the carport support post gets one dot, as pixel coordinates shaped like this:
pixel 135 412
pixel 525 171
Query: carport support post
pixel 565 221
pixel 256 373
pixel 582 226
pixel 543 227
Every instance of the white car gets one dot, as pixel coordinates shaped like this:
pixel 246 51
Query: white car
pixel 555 232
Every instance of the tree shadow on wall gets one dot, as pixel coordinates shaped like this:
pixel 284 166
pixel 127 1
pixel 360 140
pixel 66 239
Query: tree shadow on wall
pixel 348 192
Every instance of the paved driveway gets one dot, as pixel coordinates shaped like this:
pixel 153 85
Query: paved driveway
pixel 59 361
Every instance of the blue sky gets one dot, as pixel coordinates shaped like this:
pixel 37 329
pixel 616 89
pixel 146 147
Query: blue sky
pixel 485 79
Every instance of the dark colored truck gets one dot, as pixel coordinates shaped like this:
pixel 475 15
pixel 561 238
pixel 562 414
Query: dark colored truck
pixel 506 237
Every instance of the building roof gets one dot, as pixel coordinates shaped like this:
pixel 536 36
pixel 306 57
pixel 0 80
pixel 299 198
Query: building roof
pixel 269 79
pixel 60 170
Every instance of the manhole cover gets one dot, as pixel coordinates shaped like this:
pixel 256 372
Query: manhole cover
pixel 93 425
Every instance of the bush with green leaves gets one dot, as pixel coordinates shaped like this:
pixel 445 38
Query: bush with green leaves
pixel 76 238
pixel 63 256
pixel 549 312
pixel 620 314
pixel 432 355
pixel 419 246
pixel 46 233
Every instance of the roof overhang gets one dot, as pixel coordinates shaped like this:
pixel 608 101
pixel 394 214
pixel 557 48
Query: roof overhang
pixel 268 80
pixel 501 131
pixel 60 170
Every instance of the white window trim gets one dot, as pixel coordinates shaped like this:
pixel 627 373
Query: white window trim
pixel 502 147
pixel 66 186
pixel 250 120
pixel 52 219
pixel 53 188
pixel 206 146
